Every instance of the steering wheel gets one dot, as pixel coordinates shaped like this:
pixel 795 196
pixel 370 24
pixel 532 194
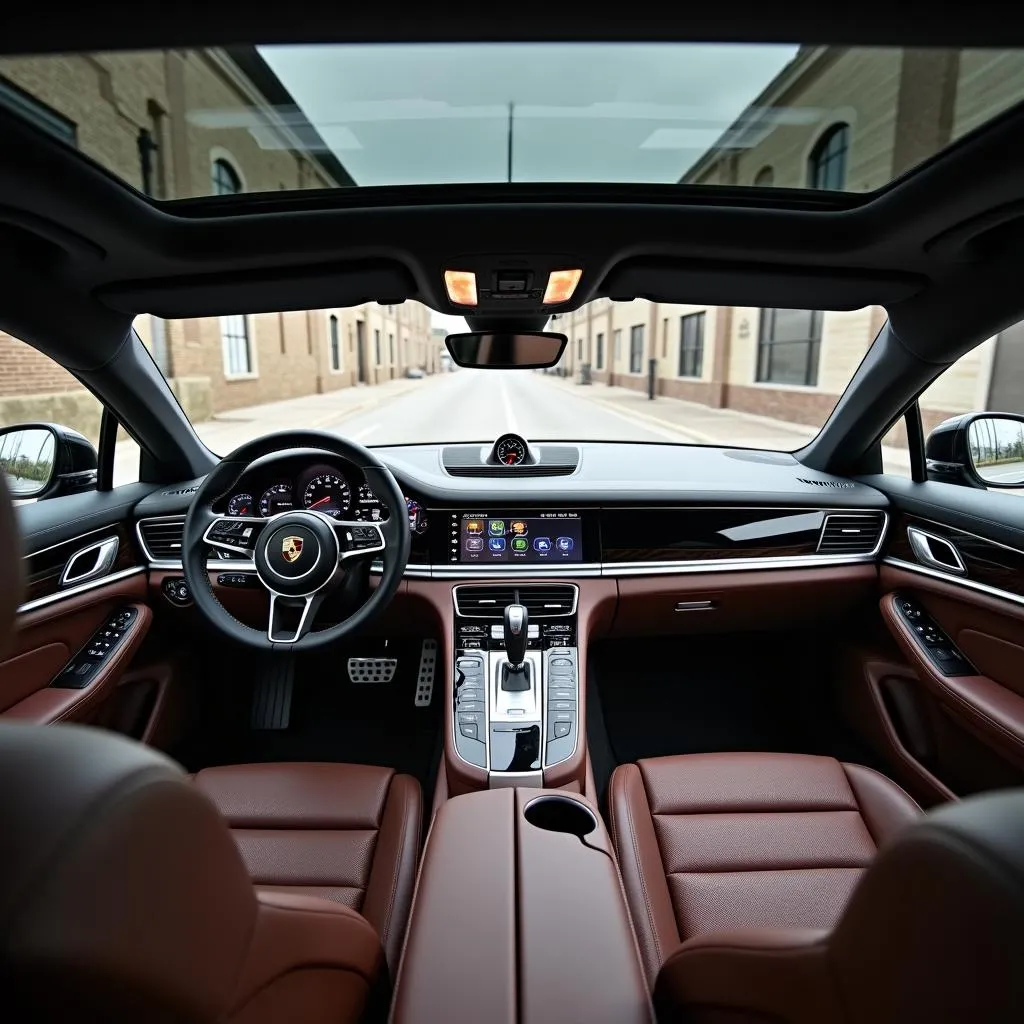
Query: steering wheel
pixel 300 556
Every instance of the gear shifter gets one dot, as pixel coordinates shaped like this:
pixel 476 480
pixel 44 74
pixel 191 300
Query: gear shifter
pixel 515 674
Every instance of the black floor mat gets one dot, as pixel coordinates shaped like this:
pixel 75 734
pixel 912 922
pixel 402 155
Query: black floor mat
pixel 689 695
pixel 332 718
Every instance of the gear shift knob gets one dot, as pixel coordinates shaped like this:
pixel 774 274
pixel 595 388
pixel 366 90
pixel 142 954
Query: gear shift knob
pixel 516 630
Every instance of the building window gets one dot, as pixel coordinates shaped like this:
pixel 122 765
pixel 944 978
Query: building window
pixel 38 114
pixel 224 179
pixel 376 345
pixel 616 345
pixel 691 345
pixel 827 165
pixel 764 178
pixel 579 349
pixel 335 342
pixel 788 346
pixel 636 348
pixel 600 352
pixel 391 348
pixel 237 346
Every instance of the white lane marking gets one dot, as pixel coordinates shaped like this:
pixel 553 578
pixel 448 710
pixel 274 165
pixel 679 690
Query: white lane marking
pixel 510 418
pixel 365 432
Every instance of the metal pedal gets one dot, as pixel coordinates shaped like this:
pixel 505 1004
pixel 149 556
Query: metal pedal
pixel 425 676
pixel 372 670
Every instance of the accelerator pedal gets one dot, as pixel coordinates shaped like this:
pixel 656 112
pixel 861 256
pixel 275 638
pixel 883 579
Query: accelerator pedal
pixel 425 676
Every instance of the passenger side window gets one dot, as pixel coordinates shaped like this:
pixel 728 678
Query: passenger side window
pixel 989 378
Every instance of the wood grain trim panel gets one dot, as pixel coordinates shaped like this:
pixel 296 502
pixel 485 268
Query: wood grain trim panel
pixel 986 562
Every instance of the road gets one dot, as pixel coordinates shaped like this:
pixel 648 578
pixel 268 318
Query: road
pixel 478 405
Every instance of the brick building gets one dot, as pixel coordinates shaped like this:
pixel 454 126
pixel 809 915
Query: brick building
pixel 193 123
pixel 836 118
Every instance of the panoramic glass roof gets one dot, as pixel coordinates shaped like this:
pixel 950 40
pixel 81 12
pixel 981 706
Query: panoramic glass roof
pixel 180 124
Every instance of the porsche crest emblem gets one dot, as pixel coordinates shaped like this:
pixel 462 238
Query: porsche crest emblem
pixel 291 548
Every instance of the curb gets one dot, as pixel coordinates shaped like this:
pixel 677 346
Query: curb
pixel 368 403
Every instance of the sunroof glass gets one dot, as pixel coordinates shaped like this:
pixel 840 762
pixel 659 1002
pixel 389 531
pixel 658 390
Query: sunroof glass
pixel 181 124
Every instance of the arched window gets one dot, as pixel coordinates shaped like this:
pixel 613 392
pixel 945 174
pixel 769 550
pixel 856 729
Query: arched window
pixel 826 167
pixel 224 179
pixel 765 178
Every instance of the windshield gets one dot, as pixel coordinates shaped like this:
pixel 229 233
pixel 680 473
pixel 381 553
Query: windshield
pixel 632 371
pixel 226 120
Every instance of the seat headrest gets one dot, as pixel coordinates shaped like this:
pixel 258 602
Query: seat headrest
pixel 11 578
pixel 123 896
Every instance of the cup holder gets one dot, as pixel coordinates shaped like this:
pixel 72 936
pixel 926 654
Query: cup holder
pixel 560 814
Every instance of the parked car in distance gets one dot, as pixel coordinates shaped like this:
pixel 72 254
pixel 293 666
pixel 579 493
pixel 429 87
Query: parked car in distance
pixel 415 373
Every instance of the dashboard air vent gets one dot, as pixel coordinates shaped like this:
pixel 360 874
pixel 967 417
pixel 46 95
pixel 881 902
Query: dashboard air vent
pixel 162 538
pixel 835 484
pixel 553 460
pixel 851 533
pixel 541 601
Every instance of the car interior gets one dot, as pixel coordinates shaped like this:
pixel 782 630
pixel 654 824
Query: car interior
pixel 601 729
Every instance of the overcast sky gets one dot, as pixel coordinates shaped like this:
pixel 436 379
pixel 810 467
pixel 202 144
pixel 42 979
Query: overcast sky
pixel 582 112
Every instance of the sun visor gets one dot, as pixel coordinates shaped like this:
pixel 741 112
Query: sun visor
pixel 318 287
pixel 721 284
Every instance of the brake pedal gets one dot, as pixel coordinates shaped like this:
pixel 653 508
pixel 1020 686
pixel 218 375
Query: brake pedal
pixel 372 670
pixel 425 676
pixel 272 694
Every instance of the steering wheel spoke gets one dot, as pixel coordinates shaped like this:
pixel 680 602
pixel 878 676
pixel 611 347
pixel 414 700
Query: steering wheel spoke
pixel 359 540
pixel 291 618
pixel 233 533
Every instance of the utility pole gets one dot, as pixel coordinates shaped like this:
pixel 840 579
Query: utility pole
pixel 511 114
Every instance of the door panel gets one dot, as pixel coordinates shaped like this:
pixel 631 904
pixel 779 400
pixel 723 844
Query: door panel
pixel 58 620
pixel 972 713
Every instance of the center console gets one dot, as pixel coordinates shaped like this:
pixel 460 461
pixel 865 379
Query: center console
pixel 516 678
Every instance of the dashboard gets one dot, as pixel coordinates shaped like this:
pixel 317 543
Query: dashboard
pixel 331 486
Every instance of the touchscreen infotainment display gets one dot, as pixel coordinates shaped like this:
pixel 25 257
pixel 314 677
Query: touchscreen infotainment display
pixel 529 539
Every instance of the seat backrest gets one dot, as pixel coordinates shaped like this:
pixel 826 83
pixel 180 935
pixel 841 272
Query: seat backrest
pixel 934 932
pixel 123 896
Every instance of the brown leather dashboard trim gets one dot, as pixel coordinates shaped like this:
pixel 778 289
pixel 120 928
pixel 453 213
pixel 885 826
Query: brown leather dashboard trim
pixel 53 704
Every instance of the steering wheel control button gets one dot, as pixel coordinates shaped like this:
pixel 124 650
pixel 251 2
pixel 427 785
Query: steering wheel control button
pixel 230 533
pixel 363 538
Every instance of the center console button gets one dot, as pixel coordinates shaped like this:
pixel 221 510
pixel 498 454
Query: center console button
pixel 560 729
pixel 562 705
pixel 476 706
pixel 566 693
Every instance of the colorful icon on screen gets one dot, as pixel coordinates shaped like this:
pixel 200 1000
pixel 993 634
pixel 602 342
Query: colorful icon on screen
pixel 474 543
pixel 474 526
pixel 496 543
pixel 520 544
pixel 519 527
pixel 564 543
pixel 542 544
pixel 496 527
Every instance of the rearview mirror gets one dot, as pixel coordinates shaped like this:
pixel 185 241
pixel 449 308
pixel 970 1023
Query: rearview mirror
pixel 495 350
pixel 980 450
pixel 43 460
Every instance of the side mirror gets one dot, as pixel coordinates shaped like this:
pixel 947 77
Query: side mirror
pixel 44 460
pixel 978 450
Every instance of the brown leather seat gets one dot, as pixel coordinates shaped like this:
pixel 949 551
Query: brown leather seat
pixel 712 842
pixel 757 894
pixel 346 832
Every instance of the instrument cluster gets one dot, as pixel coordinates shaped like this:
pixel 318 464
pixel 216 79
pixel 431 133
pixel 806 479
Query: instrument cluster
pixel 336 491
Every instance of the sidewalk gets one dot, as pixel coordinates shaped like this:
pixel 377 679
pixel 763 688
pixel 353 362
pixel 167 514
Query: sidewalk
pixel 702 424
pixel 225 431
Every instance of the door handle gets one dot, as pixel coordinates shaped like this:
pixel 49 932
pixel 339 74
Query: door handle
pixel 90 562
pixel 936 552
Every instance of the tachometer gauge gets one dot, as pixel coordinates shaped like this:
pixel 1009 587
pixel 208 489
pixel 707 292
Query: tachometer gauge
pixel 241 505
pixel 276 499
pixel 510 451
pixel 328 493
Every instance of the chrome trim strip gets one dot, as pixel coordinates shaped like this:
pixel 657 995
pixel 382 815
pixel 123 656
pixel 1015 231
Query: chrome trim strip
pixel 560 615
pixel 920 542
pixel 966 533
pixel 732 564
pixel 82 588
pixel 960 581
pixel 464 572
pixel 62 543
pixel 857 512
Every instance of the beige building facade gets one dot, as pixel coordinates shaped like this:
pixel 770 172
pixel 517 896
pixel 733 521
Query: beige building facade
pixel 836 118
pixel 178 125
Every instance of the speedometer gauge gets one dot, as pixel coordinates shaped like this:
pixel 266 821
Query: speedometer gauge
pixel 510 451
pixel 276 499
pixel 240 504
pixel 328 493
